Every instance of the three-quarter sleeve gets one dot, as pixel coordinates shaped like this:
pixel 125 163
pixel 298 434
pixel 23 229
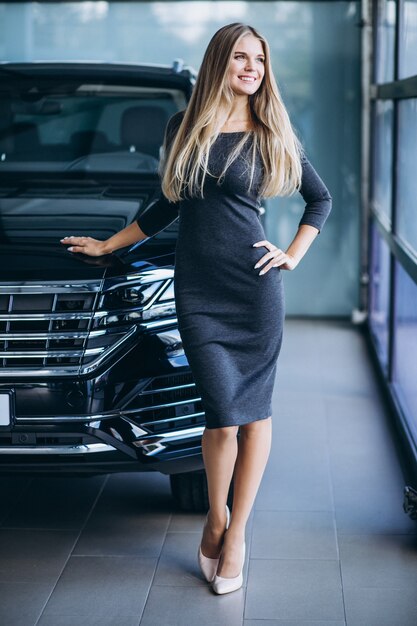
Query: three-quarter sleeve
pixel 163 212
pixel 158 216
pixel 316 195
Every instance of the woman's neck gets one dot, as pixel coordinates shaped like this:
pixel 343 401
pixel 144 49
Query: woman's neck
pixel 239 117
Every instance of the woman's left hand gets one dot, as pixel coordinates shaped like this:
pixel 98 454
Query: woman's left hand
pixel 276 258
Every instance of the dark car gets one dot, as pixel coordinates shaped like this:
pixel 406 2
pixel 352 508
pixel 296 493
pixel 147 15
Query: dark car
pixel 94 378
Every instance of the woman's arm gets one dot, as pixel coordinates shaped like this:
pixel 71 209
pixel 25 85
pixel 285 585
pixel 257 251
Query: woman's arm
pixel 316 211
pixel 317 196
pixel 94 247
pixel 303 239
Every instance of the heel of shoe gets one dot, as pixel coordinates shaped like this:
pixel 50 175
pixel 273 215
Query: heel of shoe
pixel 207 565
pixel 228 517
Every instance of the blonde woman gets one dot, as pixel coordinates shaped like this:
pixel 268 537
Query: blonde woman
pixel 231 147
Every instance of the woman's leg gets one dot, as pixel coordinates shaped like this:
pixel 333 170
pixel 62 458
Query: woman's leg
pixel 252 457
pixel 219 446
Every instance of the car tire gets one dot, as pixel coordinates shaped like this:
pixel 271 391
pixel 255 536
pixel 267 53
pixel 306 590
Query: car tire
pixel 190 491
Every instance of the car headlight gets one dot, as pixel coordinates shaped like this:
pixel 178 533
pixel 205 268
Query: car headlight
pixel 130 296
pixel 136 301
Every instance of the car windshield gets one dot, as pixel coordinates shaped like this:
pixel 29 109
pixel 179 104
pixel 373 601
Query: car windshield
pixel 84 127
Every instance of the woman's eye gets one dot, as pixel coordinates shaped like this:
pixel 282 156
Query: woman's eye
pixel 239 56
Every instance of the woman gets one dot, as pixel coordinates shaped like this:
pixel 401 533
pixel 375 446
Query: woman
pixel 231 147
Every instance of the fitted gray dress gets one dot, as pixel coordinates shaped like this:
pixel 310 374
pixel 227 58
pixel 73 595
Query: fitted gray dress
pixel 229 317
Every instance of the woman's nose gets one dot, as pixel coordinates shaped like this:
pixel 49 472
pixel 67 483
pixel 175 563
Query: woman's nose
pixel 250 64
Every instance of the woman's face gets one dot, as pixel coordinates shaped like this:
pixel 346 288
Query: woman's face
pixel 247 67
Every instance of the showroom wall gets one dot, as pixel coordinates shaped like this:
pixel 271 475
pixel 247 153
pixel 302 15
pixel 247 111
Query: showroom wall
pixel 316 58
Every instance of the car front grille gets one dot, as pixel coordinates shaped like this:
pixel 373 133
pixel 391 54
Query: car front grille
pixel 168 403
pixel 46 329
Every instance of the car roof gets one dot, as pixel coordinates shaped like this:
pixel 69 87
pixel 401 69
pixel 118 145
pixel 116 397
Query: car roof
pixel 176 74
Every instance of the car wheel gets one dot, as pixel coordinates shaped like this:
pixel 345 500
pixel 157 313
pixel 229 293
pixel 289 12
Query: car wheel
pixel 190 491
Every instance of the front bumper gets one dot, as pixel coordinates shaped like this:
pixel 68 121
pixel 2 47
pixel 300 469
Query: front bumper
pixel 131 417
pixel 93 448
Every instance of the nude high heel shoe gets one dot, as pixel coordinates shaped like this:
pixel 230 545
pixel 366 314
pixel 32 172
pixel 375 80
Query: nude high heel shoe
pixel 226 585
pixel 209 566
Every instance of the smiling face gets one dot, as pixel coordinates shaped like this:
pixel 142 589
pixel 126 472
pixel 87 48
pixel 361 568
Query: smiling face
pixel 247 66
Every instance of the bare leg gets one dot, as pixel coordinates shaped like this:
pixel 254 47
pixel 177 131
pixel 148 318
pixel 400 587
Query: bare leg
pixel 219 446
pixel 253 453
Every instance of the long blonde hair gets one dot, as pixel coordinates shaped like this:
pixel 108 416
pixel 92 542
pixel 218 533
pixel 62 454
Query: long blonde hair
pixel 186 164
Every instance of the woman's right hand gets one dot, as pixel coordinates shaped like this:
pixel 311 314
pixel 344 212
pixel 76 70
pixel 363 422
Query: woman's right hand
pixel 86 245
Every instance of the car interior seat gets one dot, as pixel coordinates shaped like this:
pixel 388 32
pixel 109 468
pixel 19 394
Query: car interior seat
pixel 85 142
pixel 142 129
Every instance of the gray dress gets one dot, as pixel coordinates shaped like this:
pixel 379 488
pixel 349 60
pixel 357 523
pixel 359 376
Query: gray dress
pixel 229 317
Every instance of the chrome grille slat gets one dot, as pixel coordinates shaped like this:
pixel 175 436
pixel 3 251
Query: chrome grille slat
pixel 171 420
pixel 50 327
pixel 31 317
pixel 52 335
pixel 49 287
pixel 40 354
pixel 46 329
pixel 167 403
pixel 160 389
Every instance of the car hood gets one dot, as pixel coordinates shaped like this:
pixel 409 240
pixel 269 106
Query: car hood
pixel 31 229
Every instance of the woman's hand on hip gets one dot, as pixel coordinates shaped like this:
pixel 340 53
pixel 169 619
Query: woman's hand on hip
pixel 86 245
pixel 276 258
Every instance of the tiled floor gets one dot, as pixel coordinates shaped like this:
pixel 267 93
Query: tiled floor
pixel 328 541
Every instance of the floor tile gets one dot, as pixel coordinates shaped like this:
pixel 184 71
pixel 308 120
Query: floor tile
pixel 294 535
pixel 380 607
pixel 362 509
pixel 102 586
pixel 178 565
pixel 58 502
pixel 294 589
pixel 130 518
pixel 186 522
pixel 360 444
pixel 286 486
pixel 197 606
pixel 28 555
pixel 22 603
pixel 379 561
pixel 12 488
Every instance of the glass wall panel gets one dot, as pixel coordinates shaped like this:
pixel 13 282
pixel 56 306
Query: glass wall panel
pixel 315 49
pixel 408 40
pixel 385 41
pixel 379 293
pixel 382 157
pixel 405 346
pixel 406 172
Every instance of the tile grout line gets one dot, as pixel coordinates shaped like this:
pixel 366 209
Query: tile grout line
pixel 155 570
pixel 331 485
pixel 100 491
pixel 249 560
